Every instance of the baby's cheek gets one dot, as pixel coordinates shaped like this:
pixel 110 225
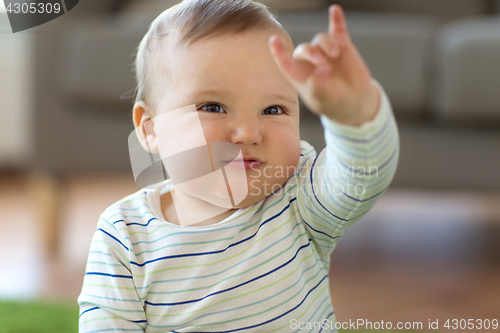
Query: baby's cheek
pixel 292 162
pixel 289 157
pixel 211 129
pixel 292 150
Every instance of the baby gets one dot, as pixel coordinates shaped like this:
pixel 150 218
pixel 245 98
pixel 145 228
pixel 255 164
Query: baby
pixel 239 237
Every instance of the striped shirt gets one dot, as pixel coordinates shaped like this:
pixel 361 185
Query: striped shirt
pixel 263 269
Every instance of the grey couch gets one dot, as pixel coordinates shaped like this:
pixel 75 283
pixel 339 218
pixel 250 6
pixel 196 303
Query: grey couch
pixel 438 61
pixel 443 79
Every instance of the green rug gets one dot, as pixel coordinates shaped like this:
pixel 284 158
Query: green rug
pixel 52 317
pixel 38 317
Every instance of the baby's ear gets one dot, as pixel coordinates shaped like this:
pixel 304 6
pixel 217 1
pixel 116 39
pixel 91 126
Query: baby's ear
pixel 144 127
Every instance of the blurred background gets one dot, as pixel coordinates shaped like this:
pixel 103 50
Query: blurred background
pixel 430 249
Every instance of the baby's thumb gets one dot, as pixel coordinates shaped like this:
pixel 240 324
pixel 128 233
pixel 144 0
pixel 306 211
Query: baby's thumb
pixel 283 59
pixel 294 69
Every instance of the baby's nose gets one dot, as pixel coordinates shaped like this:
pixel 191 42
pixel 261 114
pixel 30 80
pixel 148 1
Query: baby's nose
pixel 246 131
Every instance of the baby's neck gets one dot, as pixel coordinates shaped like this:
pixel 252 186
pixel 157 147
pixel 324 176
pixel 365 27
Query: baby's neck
pixel 170 213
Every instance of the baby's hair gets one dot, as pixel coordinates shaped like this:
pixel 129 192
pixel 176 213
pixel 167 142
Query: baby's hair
pixel 194 20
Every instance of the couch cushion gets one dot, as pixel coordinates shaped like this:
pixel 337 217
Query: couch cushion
pixel 394 46
pixel 450 9
pixel 467 74
pixel 95 58
pixel 152 6
pixel 159 6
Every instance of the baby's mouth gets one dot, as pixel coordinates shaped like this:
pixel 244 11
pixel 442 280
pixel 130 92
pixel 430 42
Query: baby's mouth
pixel 245 163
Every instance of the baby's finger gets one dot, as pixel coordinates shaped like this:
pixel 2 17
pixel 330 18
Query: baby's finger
pixel 338 25
pixel 280 54
pixel 326 44
pixel 310 53
pixel 296 69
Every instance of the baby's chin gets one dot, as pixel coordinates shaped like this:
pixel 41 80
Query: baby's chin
pixel 240 193
pixel 231 197
pixel 258 191
pixel 219 197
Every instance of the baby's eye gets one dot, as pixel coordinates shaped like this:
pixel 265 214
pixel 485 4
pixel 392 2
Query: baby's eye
pixel 274 110
pixel 212 108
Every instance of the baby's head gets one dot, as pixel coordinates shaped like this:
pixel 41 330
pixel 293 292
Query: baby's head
pixel 214 54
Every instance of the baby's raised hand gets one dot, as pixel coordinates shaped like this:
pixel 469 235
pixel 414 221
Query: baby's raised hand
pixel 329 73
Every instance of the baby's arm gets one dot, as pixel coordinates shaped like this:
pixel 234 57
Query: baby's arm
pixel 346 179
pixel 349 176
pixel 109 299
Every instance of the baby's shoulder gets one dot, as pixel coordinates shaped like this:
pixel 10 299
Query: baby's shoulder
pixel 291 186
pixel 307 156
pixel 307 152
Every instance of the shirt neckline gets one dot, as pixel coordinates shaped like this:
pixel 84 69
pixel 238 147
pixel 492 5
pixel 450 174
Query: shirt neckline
pixel 154 198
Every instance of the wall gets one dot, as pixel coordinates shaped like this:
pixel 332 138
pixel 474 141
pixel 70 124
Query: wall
pixel 15 96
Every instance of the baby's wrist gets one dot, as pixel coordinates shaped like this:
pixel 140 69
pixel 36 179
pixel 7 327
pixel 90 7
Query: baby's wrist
pixel 366 109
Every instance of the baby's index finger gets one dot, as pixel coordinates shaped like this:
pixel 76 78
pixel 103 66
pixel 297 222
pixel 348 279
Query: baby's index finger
pixel 338 24
pixel 295 69
pixel 279 51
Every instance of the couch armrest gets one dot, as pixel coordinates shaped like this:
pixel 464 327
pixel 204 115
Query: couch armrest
pixel 467 73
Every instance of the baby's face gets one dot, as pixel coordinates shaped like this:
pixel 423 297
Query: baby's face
pixel 243 98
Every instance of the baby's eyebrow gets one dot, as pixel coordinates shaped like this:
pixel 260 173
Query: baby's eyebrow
pixel 210 92
pixel 216 92
pixel 289 99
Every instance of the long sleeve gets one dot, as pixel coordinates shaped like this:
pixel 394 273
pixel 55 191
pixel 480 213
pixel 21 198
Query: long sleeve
pixel 109 300
pixel 340 185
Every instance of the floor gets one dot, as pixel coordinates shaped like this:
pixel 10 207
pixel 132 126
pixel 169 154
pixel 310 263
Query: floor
pixel 419 256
